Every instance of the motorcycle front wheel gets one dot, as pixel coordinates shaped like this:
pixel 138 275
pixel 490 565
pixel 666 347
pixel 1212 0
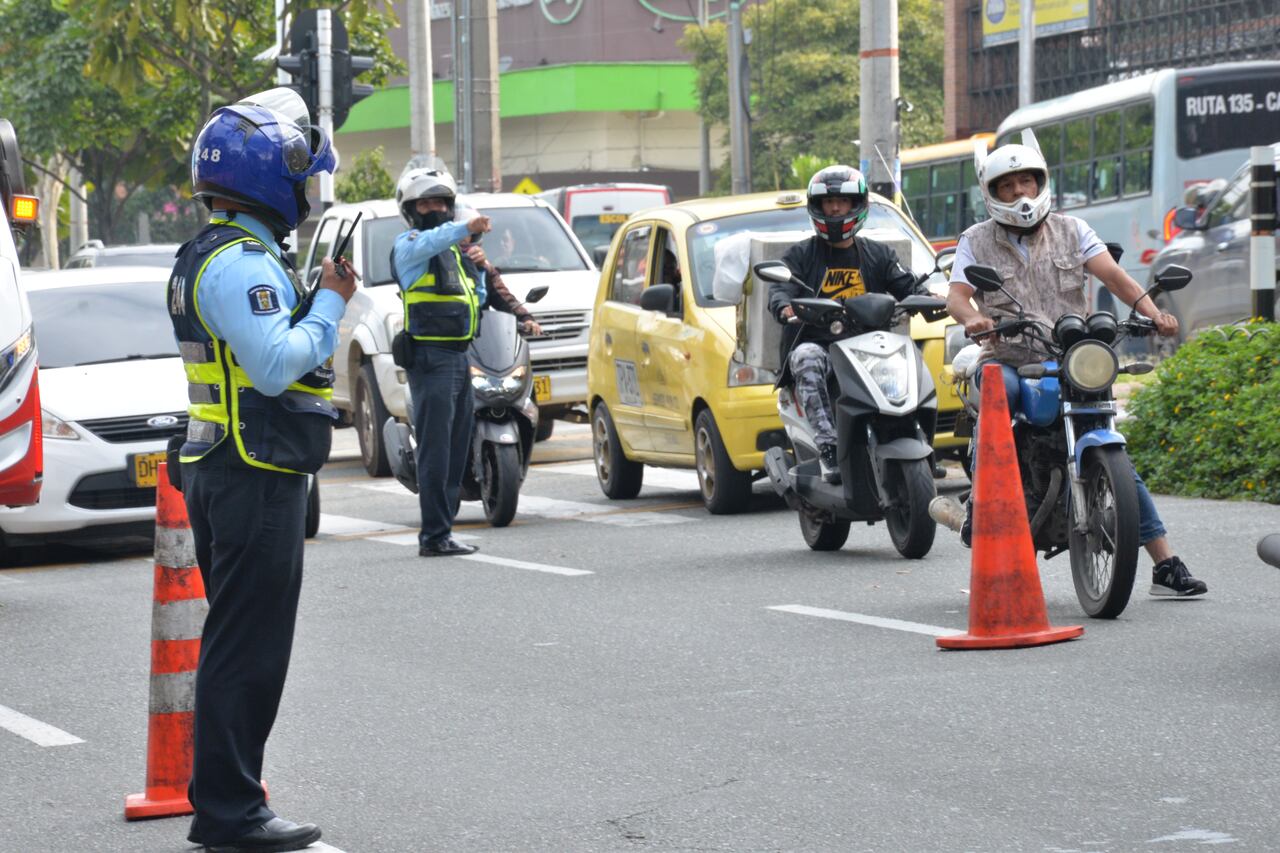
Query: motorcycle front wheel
pixel 910 526
pixel 500 483
pixel 1104 558
pixel 821 530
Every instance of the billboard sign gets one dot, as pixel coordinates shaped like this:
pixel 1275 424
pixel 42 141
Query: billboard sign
pixel 1002 18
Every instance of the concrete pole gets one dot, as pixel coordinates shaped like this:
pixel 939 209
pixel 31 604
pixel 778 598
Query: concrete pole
pixel 422 121
pixel 878 98
pixel 704 130
pixel 1027 53
pixel 739 123
pixel 283 78
pixel 79 211
pixel 462 139
pixel 486 129
pixel 1262 241
pixel 324 60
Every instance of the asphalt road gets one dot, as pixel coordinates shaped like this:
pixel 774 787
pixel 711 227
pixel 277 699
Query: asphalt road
pixel 610 676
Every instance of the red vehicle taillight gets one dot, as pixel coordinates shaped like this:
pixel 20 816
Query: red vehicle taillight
pixel 20 482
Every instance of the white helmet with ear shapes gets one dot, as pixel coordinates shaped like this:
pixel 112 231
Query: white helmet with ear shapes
pixel 1005 160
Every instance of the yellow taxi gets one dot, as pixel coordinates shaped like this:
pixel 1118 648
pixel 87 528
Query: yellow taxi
pixel 666 383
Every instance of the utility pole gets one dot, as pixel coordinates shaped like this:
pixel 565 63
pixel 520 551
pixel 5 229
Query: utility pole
pixel 422 126
pixel 1262 242
pixel 324 61
pixel 284 78
pixel 1027 53
pixel 704 130
pixel 79 211
pixel 463 143
pixel 878 99
pixel 739 93
pixel 486 147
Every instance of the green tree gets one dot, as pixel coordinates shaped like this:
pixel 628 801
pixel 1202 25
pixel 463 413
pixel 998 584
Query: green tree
pixel 367 178
pixel 805 80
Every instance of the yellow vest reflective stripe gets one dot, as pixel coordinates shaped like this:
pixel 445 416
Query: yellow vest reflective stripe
pixel 423 292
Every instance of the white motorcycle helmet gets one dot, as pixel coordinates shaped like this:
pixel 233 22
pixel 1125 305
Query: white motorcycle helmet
pixel 1022 212
pixel 419 183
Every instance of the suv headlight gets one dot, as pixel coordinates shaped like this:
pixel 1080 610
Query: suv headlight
pixel 741 374
pixel 1091 366
pixel 52 426
pixel 891 372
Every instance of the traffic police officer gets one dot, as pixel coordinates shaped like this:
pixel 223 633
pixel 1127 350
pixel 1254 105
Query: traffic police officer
pixel 255 351
pixel 442 291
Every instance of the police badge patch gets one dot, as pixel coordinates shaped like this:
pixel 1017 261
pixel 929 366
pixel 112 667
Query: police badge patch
pixel 263 299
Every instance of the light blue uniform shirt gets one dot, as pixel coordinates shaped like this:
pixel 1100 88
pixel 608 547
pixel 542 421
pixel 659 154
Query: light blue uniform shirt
pixel 273 354
pixel 415 249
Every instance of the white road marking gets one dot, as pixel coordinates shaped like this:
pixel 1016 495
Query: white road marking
pixel 344 525
pixel 520 564
pixel 411 539
pixel 320 845
pixel 41 734
pixel 862 619
pixel 662 478
pixel 389 486
pixel 6 579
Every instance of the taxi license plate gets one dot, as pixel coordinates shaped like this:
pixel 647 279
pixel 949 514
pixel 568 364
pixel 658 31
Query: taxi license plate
pixel 541 388
pixel 144 468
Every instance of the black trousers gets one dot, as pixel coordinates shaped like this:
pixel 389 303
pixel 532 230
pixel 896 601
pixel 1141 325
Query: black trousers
pixel 443 417
pixel 248 526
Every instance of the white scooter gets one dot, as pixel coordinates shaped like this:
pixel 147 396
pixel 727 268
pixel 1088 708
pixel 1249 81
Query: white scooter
pixel 885 410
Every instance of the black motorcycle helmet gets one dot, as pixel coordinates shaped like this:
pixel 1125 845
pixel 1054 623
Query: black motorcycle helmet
pixel 837 182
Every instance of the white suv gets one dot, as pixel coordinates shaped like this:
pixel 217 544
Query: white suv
pixel 529 243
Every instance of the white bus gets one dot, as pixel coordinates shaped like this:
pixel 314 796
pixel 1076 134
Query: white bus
pixel 1122 155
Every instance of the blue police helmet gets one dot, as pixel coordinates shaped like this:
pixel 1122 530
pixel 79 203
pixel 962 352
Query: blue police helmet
pixel 260 157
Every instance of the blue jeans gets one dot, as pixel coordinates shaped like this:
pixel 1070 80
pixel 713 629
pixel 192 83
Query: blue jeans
pixel 1150 526
pixel 443 412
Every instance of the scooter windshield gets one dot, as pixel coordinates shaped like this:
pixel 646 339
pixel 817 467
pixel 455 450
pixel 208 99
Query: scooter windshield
pixel 497 348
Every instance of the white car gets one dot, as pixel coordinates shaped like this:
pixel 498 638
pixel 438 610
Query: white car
pixel 531 245
pixel 112 392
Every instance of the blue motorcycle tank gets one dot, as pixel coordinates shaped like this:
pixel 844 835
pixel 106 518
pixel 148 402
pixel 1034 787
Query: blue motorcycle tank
pixel 1040 399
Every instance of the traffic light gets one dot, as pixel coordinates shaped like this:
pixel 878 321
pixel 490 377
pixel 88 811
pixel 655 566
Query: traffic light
pixel 304 66
pixel 346 91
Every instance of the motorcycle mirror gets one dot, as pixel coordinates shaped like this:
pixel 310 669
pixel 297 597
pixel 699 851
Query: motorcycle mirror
pixel 1032 371
pixel 536 293
pixel 773 271
pixel 1269 549
pixel 598 254
pixel 1138 368
pixel 1116 251
pixel 1172 277
pixel 984 278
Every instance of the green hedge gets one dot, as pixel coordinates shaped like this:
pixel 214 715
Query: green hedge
pixel 1210 427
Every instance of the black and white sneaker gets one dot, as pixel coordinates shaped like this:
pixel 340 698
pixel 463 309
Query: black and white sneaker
pixel 829 464
pixel 1172 579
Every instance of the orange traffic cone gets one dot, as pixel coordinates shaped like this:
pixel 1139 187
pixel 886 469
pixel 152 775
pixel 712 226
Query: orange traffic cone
pixel 1006 605
pixel 177 619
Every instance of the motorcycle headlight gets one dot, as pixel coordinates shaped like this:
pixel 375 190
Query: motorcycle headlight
pixel 953 341
pixel 891 372
pixel 741 374
pixel 1091 366
pixel 52 426
pixel 836 327
pixel 488 385
pixel 515 380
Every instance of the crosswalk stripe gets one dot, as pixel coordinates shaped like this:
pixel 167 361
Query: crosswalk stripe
pixel 863 619
pixel 345 525
pixel 661 478
pixel 41 734
pixel 521 564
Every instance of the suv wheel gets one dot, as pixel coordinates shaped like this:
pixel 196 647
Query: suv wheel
pixel 370 415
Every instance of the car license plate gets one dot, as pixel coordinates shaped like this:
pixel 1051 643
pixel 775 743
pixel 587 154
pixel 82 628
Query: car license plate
pixel 143 468
pixel 541 388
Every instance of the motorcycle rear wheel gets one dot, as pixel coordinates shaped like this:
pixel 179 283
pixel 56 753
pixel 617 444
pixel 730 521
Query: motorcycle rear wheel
pixel 1104 560
pixel 821 530
pixel 500 483
pixel 911 527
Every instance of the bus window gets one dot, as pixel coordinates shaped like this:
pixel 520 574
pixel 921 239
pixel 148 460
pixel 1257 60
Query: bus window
pixel 1076 168
pixel 1106 154
pixel 1138 127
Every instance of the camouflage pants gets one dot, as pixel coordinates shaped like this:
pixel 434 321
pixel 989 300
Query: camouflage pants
pixel 809 367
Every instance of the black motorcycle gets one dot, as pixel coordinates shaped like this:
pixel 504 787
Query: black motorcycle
pixel 506 420
pixel 1076 475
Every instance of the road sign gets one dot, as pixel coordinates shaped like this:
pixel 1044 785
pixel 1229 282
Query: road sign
pixel 526 187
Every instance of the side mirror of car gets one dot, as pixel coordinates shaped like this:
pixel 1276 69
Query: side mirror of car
pixel 598 255
pixel 536 293
pixel 945 260
pixel 985 279
pixel 659 297
pixel 1186 218
pixel 1173 277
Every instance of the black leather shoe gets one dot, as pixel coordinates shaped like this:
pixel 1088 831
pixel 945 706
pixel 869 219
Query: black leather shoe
pixel 274 836
pixel 449 547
